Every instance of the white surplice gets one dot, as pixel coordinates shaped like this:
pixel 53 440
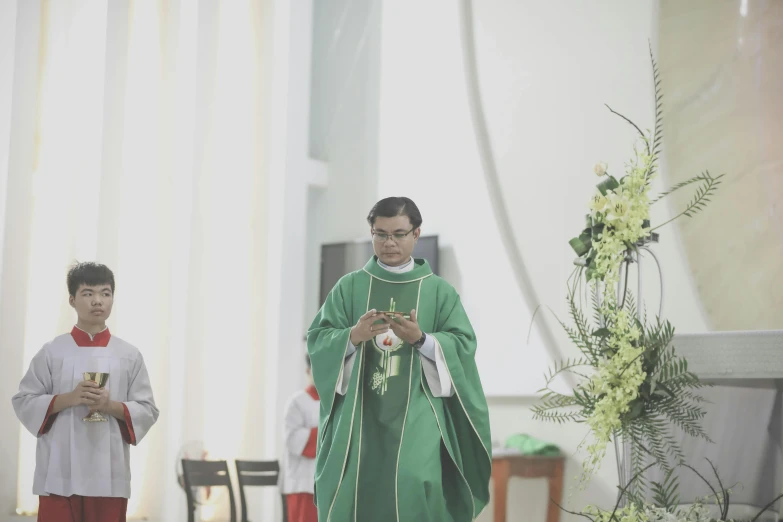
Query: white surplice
pixel 301 417
pixel 84 458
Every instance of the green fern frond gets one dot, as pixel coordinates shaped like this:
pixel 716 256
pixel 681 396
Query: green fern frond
pixel 579 335
pixel 704 192
pixel 657 136
pixel 705 178
pixel 639 453
pixel 552 403
pixel 556 416
pixel 664 493
pixel 630 304
pixel 687 418
pixel 566 365
pixel 597 318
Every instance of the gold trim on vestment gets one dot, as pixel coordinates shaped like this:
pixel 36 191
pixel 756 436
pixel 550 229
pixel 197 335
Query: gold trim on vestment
pixel 350 432
pixel 418 296
pixel 396 282
pixel 361 418
pixel 402 436
pixel 359 458
pixel 473 514
pixel 489 457
pixel 342 369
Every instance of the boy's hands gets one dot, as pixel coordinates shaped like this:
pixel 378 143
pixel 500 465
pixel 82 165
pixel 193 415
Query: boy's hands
pixel 88 393
pixel 103 401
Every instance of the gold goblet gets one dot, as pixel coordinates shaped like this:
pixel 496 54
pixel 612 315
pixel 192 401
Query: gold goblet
pixel 100 379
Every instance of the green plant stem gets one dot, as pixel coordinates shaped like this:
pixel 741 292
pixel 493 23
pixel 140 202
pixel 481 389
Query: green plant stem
pixel 632 123
pixel 766 507
pixel 625 286
pixel 717 498
pixel 625 489
pixel 588 517
pixel 667 222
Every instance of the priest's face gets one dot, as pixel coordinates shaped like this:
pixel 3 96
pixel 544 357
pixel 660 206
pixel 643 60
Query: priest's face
pixel 93 304
pixel 393 239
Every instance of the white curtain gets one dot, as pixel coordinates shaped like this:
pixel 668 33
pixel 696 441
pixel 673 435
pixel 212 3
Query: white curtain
pixel 135 138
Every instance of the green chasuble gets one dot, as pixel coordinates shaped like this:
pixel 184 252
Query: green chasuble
pixel 389 450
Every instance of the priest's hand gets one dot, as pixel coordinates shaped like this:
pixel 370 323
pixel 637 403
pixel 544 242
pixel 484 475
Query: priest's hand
pixel 364 330
pixel 407 330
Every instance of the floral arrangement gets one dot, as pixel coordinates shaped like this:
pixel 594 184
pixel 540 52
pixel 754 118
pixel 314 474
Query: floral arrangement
pixel 632 386
pixel 665 505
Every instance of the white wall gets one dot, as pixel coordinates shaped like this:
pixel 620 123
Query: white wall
pixel 21 69
pixel 7 55
pixel 344 129
pixel 147 158
pixel 545 70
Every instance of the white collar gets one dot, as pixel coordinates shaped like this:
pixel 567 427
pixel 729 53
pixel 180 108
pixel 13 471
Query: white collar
pixel 407 267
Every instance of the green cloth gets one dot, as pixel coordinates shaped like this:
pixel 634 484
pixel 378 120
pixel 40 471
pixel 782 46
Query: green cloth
pixel 528 445
pixel 388 450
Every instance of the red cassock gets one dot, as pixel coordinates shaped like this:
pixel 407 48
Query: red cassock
pixel 301 506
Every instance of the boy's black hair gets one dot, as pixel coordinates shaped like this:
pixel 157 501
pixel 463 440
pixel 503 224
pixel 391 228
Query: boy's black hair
pixel 395 206
pixel 307 360
pixel 89 274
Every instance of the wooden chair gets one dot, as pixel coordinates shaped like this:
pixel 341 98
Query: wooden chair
pixel 258 473
pixel 206 473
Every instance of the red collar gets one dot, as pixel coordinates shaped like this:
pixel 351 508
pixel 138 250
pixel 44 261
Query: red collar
pixel 312 392
pixel 82 338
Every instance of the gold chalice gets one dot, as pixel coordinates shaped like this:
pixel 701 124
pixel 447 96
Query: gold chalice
pixel 100 379
pixel 392 312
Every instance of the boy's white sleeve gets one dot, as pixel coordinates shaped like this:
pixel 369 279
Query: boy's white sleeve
pixel 140 402
pixel 296 431
pixel 35 395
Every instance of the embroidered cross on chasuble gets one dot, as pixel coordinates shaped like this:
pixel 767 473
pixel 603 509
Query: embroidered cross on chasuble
pixel 389 449
pixel 388 355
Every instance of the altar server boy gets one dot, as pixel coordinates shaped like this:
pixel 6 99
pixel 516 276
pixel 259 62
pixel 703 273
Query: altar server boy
pixel 82 468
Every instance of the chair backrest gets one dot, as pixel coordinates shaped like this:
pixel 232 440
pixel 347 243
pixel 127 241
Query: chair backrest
pixel 206 473
pixel 257 473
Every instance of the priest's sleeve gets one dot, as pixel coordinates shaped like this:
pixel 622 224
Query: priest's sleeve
pixel 350 357
pixel 32 403
pixel 328 342
pixel 433 362
pixel 140 410
pixel 466 411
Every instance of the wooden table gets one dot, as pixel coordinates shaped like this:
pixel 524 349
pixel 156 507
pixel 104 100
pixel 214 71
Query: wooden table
pixel 506 466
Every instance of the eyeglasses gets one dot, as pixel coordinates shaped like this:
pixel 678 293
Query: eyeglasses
pixel 382 238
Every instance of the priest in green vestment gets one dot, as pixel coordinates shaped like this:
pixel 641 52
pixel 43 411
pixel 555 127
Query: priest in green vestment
pixel 404 429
